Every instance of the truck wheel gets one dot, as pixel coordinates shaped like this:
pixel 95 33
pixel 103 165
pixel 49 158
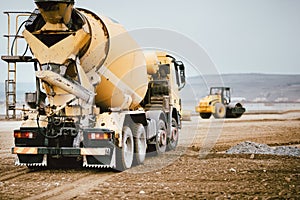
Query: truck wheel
pixel 205 115
pixel 140 144
pixel 220 111
pixel 173 140
pixel 161 137
pixel 125 154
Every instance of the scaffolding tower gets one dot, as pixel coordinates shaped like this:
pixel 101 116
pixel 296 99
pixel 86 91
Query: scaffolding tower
pixel 12 58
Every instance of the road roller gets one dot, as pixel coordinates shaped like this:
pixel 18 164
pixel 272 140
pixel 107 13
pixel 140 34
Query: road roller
pixel 219 104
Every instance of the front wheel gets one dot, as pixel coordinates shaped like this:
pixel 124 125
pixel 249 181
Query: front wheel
pixel 125 153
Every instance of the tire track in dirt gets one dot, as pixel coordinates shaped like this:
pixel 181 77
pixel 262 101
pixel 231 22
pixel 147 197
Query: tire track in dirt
pixel 10 174
pixel 235 121
pixel 76 188
pixel 5 151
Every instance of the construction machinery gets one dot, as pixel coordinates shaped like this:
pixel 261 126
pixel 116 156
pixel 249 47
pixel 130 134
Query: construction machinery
pixel 100 100
pixel 218 103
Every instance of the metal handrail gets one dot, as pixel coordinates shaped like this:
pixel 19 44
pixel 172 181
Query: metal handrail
pixel 11 71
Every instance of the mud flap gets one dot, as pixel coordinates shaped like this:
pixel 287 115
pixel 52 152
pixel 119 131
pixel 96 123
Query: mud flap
pixel 100 161
pixel 31 160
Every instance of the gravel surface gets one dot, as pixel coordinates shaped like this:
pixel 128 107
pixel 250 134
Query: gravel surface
pixel 256 148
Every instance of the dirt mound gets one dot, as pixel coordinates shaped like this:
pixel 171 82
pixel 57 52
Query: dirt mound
pixel 256 148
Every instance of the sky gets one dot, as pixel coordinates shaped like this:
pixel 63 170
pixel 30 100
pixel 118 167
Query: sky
pixel 238 36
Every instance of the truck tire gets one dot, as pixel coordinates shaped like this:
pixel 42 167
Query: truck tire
pixel 173 140
pixel 140 144
pixel 205 115
pixel 124 156
pixel 220 111
pixel 161 139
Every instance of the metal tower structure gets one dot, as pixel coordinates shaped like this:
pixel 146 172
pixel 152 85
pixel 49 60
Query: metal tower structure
pixel 12 58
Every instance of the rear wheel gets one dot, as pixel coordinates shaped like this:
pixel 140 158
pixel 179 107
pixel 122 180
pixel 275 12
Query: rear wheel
pixel 205 115
pixel 161 138
pixel 173 140
pixel 125 154
pixel 220 111
pixel 159 144
pixel 140 144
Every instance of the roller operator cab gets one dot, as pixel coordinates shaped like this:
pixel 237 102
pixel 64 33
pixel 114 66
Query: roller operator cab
pixel 218 103
pixel 100 99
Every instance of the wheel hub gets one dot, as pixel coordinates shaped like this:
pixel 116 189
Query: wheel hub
pixel 174 133
pixel 162 137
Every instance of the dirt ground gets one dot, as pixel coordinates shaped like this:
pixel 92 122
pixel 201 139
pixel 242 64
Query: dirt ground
pixel 198 169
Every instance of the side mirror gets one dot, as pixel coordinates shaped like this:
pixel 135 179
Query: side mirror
pixel 181 73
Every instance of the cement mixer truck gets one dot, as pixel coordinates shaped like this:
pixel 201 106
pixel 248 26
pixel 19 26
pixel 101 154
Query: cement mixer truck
pixel 100 99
